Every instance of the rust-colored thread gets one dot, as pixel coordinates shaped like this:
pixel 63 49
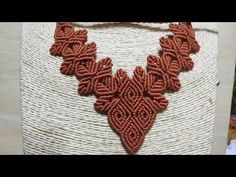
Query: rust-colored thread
pixel 130 103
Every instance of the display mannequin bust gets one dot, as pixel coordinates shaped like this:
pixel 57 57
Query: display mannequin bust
pixel 57 121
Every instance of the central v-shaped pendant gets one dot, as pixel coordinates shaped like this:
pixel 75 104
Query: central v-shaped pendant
pixel 130 103
pixel 132 109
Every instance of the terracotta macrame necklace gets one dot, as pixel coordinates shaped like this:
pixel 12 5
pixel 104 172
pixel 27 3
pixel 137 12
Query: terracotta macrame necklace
pixel 131 104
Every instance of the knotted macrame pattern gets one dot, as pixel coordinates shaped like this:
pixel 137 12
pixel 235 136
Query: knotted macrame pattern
pixel 131 104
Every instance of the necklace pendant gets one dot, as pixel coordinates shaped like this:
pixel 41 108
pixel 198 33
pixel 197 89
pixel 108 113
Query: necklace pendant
pixel 131 104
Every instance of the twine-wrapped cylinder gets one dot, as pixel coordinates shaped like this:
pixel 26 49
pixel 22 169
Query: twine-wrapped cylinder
pixel 56 120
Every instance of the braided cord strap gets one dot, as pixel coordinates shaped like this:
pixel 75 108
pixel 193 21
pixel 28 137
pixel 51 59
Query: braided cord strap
pixel 131 104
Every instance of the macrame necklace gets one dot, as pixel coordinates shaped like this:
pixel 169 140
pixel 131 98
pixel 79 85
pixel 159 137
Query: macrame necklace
pixel 131 104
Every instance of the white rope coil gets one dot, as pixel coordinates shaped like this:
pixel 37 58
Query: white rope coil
pixel 56 120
